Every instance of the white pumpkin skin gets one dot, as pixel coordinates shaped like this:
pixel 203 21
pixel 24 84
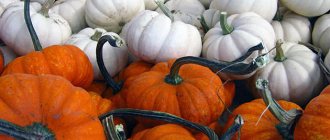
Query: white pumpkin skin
pixel 111 15
pixel 249 30
pixel 293 28
pixel 309 8
pixel 264 8
pixel 211 17
pixel 115 58
pixel 153 37
pixel 151 5
pixel 14 33
pixel 298 78
pixel 321 33
pixel 8 54
pixel 4 4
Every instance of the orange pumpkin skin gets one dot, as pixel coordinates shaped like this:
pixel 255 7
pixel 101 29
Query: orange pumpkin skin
pixel 195 99
pixel 265 129
pixel 164 132
pixel 315 122
pixel 102 105
pixel 134 69
pixel 67 61
pixel 215 126
pixel 51 100
pixel 2 61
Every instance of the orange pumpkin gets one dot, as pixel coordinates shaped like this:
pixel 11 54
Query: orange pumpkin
pixel 314 123
pixel 102 105
pixel 49 102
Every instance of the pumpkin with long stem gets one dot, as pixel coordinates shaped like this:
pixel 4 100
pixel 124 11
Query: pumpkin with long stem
pixel 46 106
pixel 64 60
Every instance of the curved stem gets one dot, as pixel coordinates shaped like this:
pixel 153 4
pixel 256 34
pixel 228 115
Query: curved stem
pixel 99 58
pixel 279 57
pixel 235 67
pixel 35 131
pixel 33 34
pixel 206 28
pixel 45 7
pixel 112 131
pixel 97 35
pixel 165 10
pixel 287 118
pixel 234 128
pixel 161 116
pixel 226 28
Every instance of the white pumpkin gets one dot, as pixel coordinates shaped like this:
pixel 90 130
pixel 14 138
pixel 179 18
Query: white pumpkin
pixel 4 4
pixel 151 5
pixel 211 17
pixel 264 8
pixel 153 37
pixel 293 74
pixel 8 54
pixel 292 27
pixel 206 3
pixel 309 8
pixel 187 11
pixel 321 33
pixel 249 29
pixel 51 29
pixel 112 15
pixel 115 58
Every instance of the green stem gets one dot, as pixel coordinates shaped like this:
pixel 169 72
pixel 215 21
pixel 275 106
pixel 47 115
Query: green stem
pixel 33 34
pixel 287 118
pixel 234 128
pixel 235 67
pixel 206 28
pixel 160 116
pixel 97 35
pixel 35 131
pixel 165 10
pixel 279 57
pixel 45 7
pixel 226 28
pixel 113 41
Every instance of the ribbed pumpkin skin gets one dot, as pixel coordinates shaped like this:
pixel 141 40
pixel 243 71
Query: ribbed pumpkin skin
pixel 67 61
pixel 102 105
pixel 251 111
pixel 195 99
pixel 315 122
pixel 164 132
pixel 66 110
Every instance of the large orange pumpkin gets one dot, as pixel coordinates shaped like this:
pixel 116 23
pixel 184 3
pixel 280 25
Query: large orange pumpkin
pixel 315 122
pixel 49 102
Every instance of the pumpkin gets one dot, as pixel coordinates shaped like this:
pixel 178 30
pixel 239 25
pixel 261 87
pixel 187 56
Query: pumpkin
pixel 151 4
pixel 115 58
pixel 154 37
pixel 321 33
pixel 262 122
pixel 307 8
pixel 293 73
pixel 187 11
pixel 291 27
pixel 50 27
pixel 215 126
pixel 7 53
pixel 210 18
pixel 111 15
pixel 314 123
pixel 102 105
pixel 206 3
pixel 234 37
pixel 50 104
pixel 265 9
pixel 2 61
pixel 4 4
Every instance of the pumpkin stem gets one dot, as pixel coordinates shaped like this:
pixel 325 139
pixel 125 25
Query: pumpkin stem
pixel 33 34
pixel 160 116
pixel 287 118
pixel 206 28
pixel 115 42
pixel 97 35
pixel 280 57
pixel 34 131
pixel 112 131
pixel 226 28
pixel 235 67
pixel 45 7
pixel 165 10
pixel 234 128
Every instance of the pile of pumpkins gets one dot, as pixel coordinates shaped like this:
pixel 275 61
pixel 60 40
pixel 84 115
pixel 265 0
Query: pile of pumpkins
pixel 164 69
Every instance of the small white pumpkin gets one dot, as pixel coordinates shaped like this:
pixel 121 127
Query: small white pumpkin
pixel 211 17
pixel 111 15
pixel 291 27
pixel 51 28
pixel 206 3
pixel 4 4
pixel 264 8
pixel 153 37
pixel 115 58
pixel 309 8
pixel 232 39
pixel 321 33
pixel 293 74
